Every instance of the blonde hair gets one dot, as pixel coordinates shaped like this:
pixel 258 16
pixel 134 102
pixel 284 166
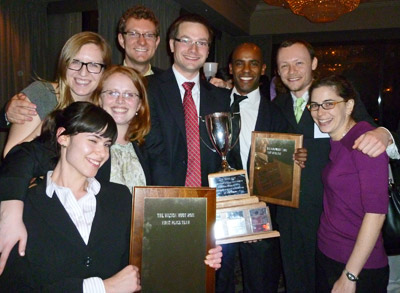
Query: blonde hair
pixel 70 49
pixel 140 124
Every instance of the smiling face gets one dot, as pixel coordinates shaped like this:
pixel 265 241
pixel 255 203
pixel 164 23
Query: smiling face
pixel 123 110
pixel 84 152
pixel 334 121
pixel 295 68
pixel 139 51
pixel 247 67
pixel 188 59
pixel 82 83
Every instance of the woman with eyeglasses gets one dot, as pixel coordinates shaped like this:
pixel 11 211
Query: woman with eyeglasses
pixel 350 254
pixel 122 94
pixel 79 69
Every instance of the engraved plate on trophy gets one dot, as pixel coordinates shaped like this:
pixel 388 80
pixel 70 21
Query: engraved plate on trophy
pixel 230 183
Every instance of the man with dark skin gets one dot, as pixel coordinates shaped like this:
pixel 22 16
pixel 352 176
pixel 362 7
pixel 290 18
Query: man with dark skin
pixel 260 260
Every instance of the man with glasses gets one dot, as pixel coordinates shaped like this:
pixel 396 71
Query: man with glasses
pixel 139 36
pixel 177 98
pixel 296 63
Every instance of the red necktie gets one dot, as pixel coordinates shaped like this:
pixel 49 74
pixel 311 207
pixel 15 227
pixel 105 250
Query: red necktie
pixel 193 173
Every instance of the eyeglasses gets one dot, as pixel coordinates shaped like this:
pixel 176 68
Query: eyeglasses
pixel 117 94
pixel 136 35
pixel 325 105
pixel 188 42
pixel 91 67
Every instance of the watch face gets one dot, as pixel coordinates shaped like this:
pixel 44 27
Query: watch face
pixel 351 277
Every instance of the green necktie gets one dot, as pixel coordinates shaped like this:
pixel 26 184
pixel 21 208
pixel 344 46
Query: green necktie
pixel 299 111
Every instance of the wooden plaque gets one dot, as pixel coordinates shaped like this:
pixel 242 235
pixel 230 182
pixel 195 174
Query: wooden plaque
pixel 274 176
pixel 171 233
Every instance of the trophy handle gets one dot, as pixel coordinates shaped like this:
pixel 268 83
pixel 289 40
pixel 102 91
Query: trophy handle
pixel 201 119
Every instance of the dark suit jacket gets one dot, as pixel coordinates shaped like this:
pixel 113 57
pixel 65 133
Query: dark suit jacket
pixel 156 70
pixel 57 259
pixel 166 142
pixel 269 118
pixel 35 158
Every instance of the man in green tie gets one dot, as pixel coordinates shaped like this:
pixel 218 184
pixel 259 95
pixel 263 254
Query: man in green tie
pixel 296 63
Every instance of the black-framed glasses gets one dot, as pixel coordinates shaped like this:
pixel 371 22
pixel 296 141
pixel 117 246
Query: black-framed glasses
pixel 188 42
pixel 328 105
pixel 116 94
pixel 91 67
pixel 136 35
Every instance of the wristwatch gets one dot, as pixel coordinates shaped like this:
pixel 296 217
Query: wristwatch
pixel 350 276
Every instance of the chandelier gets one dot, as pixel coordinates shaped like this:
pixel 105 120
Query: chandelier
pixel 318 10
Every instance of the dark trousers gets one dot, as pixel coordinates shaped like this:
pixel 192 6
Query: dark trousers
pixel 260 263
pixel 329 271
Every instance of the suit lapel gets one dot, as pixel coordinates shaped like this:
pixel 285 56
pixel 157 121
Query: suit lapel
pixel 172 99
pixel 54 214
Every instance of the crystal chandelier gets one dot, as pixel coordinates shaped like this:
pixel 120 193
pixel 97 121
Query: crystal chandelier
pixel 318 10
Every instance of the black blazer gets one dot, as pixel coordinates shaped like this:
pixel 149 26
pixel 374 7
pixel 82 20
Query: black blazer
pixel 166 142
pixel 57 259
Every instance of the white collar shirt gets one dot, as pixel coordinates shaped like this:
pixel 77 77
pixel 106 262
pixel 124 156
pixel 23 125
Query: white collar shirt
pixel 80 211
pixel 305 97
pixel 180 79
pixel 248 114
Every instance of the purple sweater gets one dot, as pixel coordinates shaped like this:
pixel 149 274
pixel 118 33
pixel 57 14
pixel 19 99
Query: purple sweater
pixel 354 184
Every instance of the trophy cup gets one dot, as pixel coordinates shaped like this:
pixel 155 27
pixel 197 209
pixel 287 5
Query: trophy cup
pixel 219 129
pixel 239 217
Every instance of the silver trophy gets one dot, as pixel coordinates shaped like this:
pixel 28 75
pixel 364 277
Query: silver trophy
pixel 221 133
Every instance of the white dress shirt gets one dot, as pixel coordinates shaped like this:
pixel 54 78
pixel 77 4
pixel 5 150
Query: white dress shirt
pixel 248 114
pixel 82 213
pixel 195 90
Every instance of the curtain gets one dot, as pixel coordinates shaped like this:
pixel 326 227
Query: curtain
pixel 21 46
pixel 110 12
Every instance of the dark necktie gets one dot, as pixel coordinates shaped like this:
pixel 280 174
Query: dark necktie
pixel 235 127
pixel 193 173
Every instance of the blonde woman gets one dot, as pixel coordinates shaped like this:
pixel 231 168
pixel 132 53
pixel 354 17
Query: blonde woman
pixel 79 69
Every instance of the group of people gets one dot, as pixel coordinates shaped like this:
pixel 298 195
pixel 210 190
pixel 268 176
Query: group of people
pixel 153 137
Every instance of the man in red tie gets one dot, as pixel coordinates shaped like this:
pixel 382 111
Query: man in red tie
pixel 179 101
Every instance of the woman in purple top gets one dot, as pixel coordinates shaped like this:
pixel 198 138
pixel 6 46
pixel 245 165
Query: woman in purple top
pixel 350 256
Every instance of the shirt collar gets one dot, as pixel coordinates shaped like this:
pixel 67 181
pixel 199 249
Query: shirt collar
pixel 93 186
pixel 181 79
pixel 251 97
pixel 147 73
pixel 305 96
